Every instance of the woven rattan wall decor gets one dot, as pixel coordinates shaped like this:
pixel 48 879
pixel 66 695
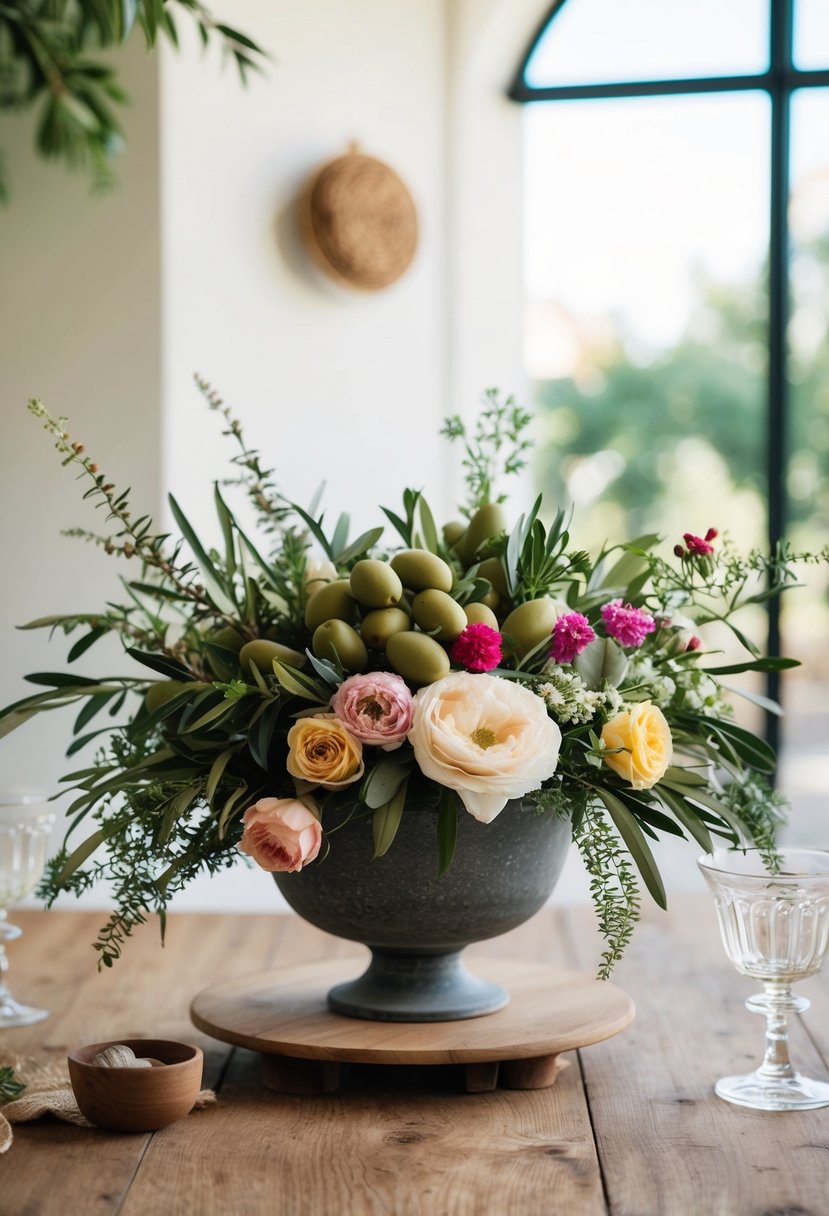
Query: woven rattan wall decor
pixel 359 221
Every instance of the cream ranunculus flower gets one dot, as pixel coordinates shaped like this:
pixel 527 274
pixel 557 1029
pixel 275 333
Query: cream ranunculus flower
pixel 644 736
pixel 487 738
pixel 324 752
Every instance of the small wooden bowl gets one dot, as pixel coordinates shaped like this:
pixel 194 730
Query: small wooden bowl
pixel 137 1099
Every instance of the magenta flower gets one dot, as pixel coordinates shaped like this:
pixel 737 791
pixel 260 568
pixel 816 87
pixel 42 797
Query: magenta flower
pixel 571 633
pixel 698 546
pixel 478 648
pixel 377 708
pixel 628 625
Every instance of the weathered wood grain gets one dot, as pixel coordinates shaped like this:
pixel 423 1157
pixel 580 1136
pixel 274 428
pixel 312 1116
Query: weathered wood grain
pixel 285 1011
pixel 667 1144
pixel 387 1144
pixel 146 994
pixel 374 1151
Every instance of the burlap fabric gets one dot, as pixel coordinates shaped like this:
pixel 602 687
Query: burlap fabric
pixel 49 1092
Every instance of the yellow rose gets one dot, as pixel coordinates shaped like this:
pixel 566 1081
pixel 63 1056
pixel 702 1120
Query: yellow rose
pixel 323 752
pixel 645 738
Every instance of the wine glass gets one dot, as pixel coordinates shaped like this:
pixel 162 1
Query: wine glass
pixel 25 824
pixel 775 928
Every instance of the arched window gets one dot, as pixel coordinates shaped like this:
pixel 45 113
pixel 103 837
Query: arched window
pixel 677 276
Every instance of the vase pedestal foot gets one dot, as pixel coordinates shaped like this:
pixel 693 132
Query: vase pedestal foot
pixel 409 987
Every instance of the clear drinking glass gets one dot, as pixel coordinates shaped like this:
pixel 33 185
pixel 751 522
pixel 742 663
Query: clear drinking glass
pixel 775 928
pixel 25 824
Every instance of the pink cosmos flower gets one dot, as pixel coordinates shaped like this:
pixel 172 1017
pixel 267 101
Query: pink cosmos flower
pixel 376 708
pixel 571 633
pixel 627 624
pixel 478 648
pixel 281 834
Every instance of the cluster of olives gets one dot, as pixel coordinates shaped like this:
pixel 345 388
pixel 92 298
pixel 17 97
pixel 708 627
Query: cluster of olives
pixel 405 609
pixel 526 626
pixel 402 609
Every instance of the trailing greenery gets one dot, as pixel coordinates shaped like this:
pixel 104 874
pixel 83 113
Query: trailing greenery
pixel 50 58
pixel 613 886
pixel 194 736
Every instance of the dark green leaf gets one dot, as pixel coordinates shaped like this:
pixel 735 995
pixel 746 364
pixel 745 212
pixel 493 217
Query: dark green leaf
pixel 765 664
pixel 214 583
pixel 315 529
pixel 161 664
pixel 447 829
pixel 639 849
pixel 93 706
pixel 64 680
pixel 83 644
pixel 386 821
pixel 687 816
pixel 259 739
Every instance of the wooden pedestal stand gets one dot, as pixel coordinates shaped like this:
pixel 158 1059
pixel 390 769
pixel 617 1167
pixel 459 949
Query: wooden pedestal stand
pixel 284 1016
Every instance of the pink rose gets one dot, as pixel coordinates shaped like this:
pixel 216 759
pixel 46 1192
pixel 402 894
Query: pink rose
pixel 376 708
pixel 281 833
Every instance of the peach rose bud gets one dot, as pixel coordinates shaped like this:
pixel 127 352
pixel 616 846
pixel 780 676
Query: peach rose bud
pixel 281 834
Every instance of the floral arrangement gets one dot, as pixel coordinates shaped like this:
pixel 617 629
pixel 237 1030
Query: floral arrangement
pixel 283 683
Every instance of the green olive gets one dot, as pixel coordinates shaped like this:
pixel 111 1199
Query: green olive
pixel 229 637
pixel 417 658
pixel 487 522
pixel 261 654
pixel 375 585
pixel 453 531
pixel 420 570
pixel 336 639
pixel 437 610
pixel 492 599
pixel 378 626
pixel 161 692
pixel 529 624
pixel 479 614
pixel 334 601
pixel 492 568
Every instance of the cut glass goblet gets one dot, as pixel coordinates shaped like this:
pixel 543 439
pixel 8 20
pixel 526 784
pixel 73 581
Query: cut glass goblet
pixel 25 824
pixel 775 928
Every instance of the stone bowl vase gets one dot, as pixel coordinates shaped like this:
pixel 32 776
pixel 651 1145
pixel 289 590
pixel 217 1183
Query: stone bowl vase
pixel 417 924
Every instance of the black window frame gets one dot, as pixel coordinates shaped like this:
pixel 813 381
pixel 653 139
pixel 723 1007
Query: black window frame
pixel 780 81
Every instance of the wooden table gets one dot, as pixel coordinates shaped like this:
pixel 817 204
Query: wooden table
pixel 633 1128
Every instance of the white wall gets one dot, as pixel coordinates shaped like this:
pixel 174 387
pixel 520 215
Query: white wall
pixel 79 303
pixel 332 384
